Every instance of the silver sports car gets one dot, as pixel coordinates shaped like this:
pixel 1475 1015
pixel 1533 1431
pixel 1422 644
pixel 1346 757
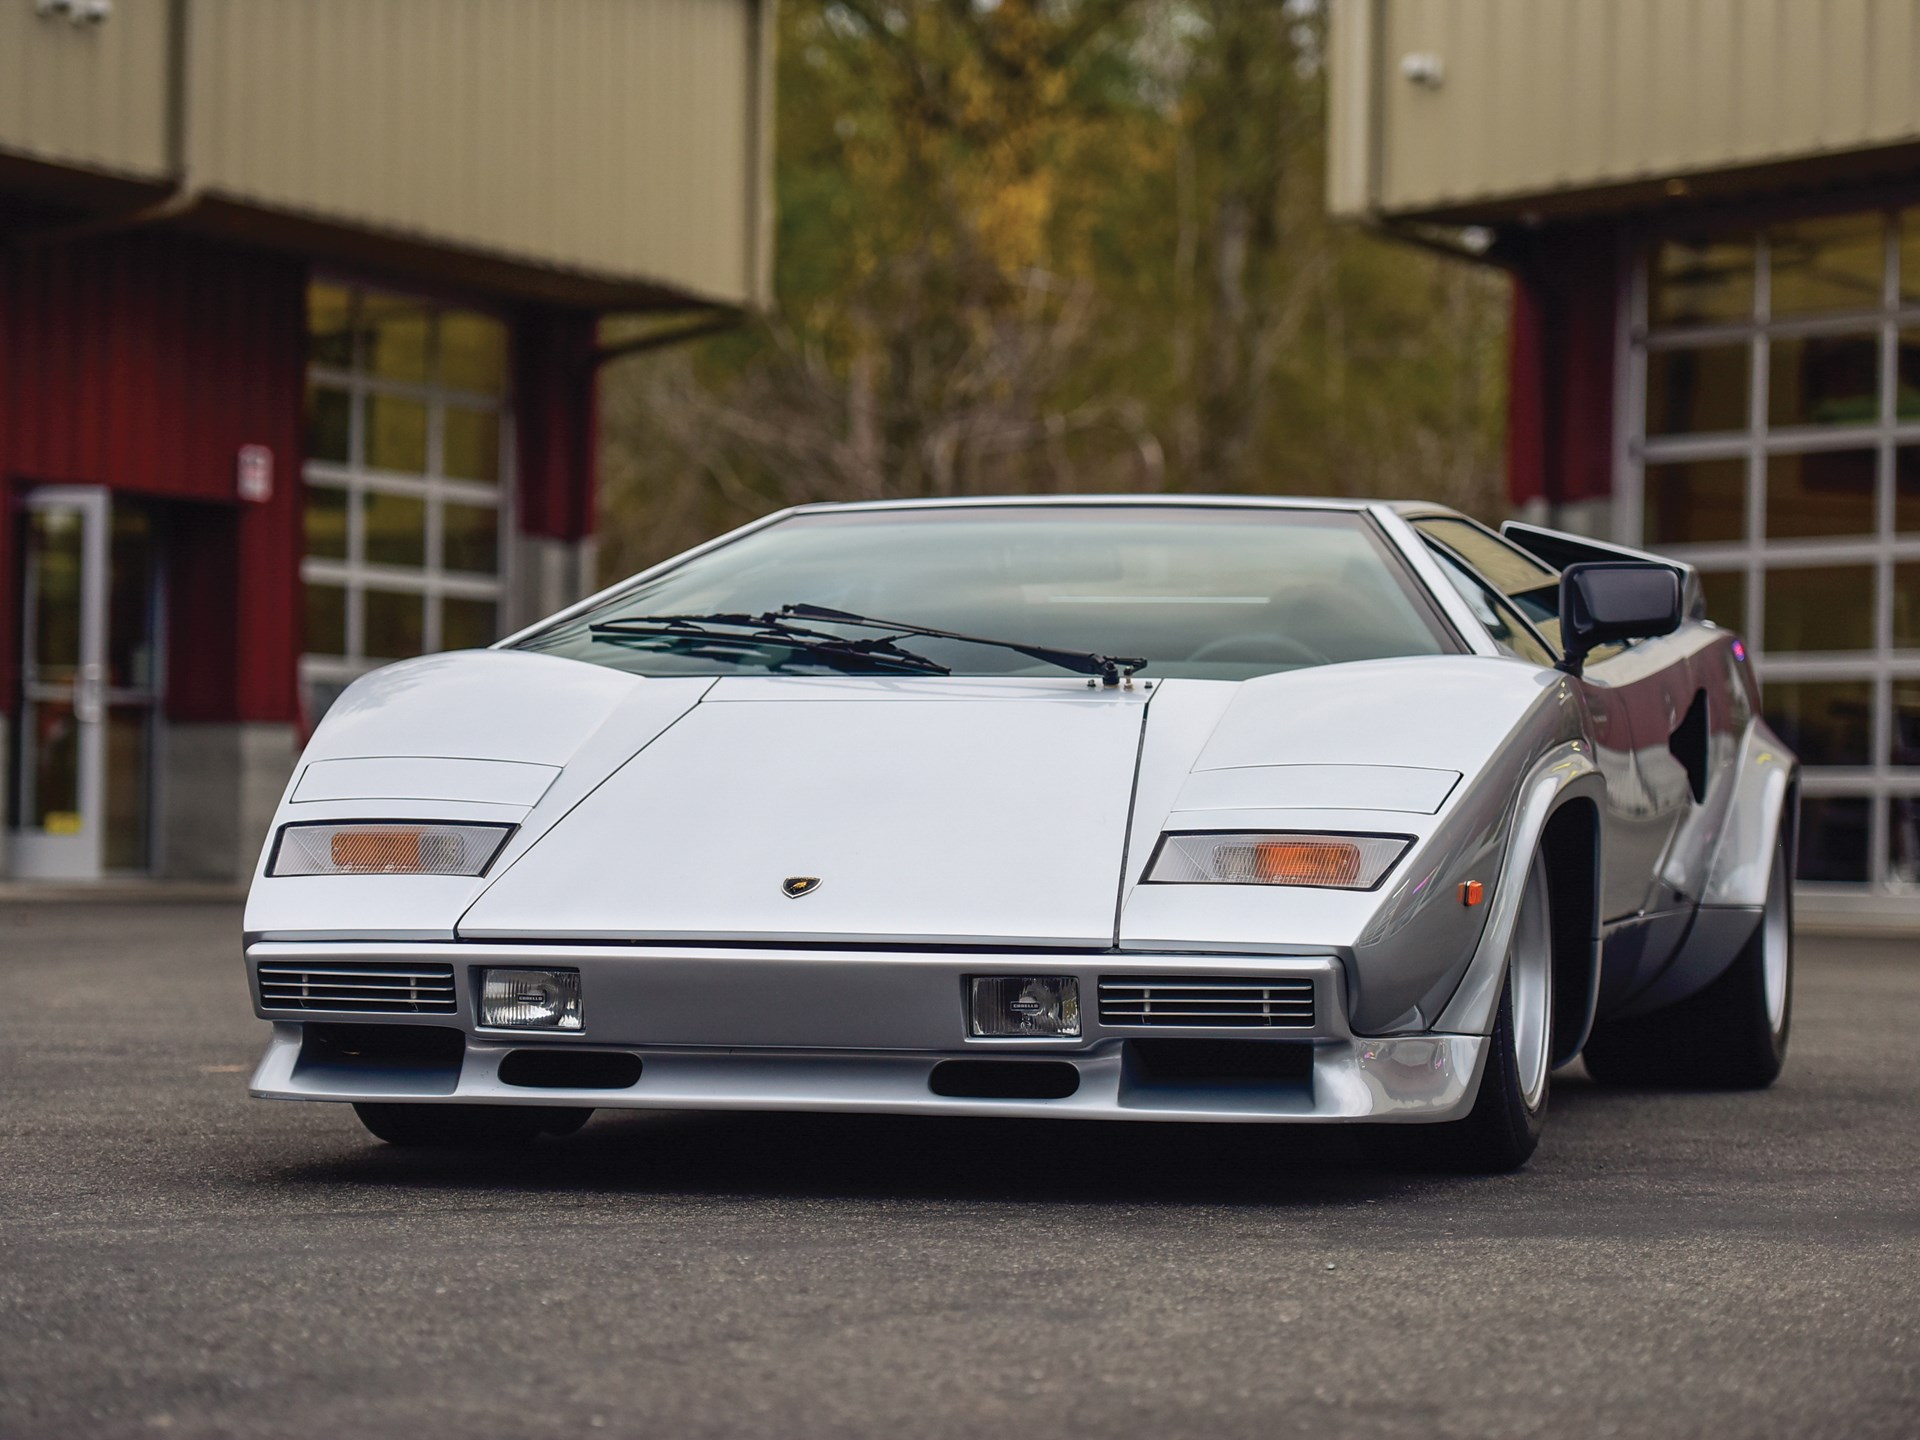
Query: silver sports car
pixel 1132 808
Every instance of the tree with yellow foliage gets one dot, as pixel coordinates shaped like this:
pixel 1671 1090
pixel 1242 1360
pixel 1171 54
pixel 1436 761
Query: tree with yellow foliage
pixel 1060 245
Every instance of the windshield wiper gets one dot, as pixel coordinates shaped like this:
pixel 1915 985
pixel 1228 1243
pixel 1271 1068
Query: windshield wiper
pixel 1112 669
pixel 750 632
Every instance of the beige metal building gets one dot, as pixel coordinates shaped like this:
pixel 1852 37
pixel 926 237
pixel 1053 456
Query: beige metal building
pixel 299 315
pixel 1711 211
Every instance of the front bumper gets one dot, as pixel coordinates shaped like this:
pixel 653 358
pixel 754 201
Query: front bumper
pixel 842 1030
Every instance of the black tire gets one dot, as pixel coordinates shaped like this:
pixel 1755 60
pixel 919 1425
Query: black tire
pixel 1503 1129
pixel 1731 1035
pixel 468 1127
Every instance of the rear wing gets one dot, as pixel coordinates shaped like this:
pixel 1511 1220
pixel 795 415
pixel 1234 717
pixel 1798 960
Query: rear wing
pixel 1559 549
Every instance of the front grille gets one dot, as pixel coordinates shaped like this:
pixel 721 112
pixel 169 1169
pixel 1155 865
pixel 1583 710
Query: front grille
pixel 1206 1001
pixel 380 989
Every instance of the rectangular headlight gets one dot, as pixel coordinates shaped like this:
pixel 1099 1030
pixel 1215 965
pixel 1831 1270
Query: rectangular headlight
pixel 386 848
pixel 530 999
pixel 1014 1005
pixel 1333 862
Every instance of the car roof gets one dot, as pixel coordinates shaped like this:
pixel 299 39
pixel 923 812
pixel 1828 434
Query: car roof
pixel 1230 502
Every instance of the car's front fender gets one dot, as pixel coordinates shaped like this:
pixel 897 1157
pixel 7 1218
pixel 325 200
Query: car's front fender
pixel 1564 775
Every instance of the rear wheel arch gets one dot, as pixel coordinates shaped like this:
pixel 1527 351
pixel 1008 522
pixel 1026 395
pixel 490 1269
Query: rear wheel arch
pixel 1731 1035
pixel 1765 800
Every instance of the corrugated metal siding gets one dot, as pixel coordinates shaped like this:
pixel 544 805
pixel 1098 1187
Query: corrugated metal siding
pixel 1549 96
pixel 143 362
pixel 94 96
pixel 1350 107
pixel 617 137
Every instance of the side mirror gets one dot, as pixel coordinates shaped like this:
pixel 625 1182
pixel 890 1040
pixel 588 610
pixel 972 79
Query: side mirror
pixel 1603 602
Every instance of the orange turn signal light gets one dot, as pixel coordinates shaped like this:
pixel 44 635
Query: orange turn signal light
pixel 377 851
pixel 361 847
pixel 1472 892
pixel 1307 862
pixel 1335 862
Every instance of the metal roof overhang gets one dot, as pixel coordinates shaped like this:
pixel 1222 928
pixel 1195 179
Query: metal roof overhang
pixel 1800 177
pixel 44 203
pixel 434 262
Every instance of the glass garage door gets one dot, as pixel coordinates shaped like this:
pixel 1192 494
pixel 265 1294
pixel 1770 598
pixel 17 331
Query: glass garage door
pixel 407 487
pixel 1775 443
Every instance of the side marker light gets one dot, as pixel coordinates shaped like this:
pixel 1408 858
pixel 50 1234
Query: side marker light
pixel 1472 892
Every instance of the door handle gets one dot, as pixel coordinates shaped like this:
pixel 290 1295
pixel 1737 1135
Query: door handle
pixel 86 695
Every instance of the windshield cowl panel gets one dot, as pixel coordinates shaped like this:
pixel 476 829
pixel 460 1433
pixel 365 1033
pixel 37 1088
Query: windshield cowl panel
pixel 1210 593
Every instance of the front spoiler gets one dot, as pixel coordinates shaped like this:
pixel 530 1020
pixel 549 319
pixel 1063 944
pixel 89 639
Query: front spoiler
pixel 1424 1078
pixel 738 1029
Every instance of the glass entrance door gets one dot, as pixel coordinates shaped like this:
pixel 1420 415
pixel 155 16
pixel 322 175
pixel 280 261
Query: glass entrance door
pixel 89 687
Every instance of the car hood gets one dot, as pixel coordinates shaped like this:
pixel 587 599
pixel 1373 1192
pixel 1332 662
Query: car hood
pixel 932 811
pixel 956 811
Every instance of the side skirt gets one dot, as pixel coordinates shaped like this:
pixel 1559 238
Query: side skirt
pixel 1717 934
pixel 1634 952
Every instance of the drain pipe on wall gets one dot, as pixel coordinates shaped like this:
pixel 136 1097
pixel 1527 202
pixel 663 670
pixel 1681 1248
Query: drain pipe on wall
pixel 185 194
pixel 710 322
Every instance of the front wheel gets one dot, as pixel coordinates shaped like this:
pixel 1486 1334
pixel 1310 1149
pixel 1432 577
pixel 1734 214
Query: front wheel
pixel 1502 1130
pixel 468 1127
pixel 1730 1036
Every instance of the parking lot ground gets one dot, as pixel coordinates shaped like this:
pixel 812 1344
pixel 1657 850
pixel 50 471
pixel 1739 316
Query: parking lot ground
pixel 178 1259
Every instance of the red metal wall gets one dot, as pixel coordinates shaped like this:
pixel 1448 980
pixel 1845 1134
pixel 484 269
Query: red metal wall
pixel 1560 367
pixel 554 372
pixel 143 362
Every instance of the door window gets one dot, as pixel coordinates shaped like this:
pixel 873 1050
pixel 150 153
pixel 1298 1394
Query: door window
pixel 1503 623
pixel 1532 586
pixel 50 760
pixel 82 763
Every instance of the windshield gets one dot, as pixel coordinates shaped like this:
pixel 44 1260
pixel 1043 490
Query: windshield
pixel 1203 593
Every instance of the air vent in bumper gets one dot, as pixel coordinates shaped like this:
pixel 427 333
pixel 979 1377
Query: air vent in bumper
pixel 1205 1002
pixel 367 989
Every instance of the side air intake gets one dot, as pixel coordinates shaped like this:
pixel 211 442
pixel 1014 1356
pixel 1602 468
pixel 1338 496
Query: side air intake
pixel 371 989
pixel 1190 1002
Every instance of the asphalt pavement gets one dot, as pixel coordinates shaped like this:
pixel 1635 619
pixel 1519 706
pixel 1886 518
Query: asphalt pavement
pixel 177 1259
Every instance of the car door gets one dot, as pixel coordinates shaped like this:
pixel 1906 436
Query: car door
pixel 1528 590
pixel 1705 743
pixel 1650 688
